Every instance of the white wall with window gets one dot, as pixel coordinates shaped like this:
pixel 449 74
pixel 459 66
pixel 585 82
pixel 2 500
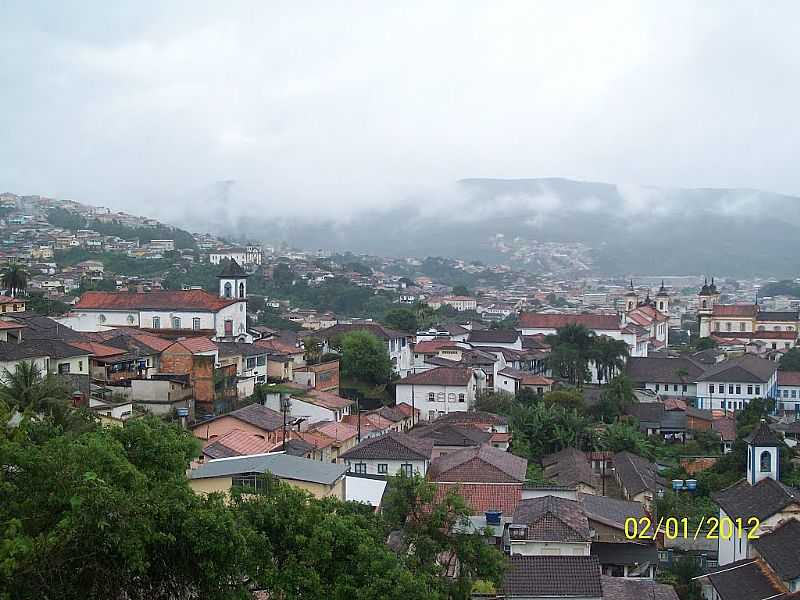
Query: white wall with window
pixel 386 466
pixel 435 400
pixel 729 396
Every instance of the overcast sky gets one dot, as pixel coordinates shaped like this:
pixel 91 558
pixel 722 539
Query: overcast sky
pixel 333 106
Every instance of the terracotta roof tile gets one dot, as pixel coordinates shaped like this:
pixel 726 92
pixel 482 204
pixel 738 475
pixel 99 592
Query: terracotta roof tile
pixel 480 497
pixel 548 321
pixel 455 376
pixel 191 300
pixel 482 464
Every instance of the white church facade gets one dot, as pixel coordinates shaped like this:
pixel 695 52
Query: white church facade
pixel 183 312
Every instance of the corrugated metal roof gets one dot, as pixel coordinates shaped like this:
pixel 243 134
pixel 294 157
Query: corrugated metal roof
pixel 283 466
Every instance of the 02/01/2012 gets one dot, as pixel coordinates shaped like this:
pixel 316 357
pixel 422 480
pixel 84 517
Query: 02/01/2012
pixel 711 528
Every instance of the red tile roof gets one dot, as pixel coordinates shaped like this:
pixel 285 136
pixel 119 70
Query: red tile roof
pixel 98 350
pixel 725 427
pixel 10 300
pixel 455 376
pixel 190 300
pixel 480 497
pixel 481 464
pixel 788 377
pixel 279 346
pixel 6 324
pixel 195 345
pixel 341 432
pixel 433 346
pixel 237 443
pixel 735 310
pixel 545 321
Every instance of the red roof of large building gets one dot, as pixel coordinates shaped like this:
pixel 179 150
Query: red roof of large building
pixel 788 377
pixel 190 300
pixel 735 310
pixel 455 376
pixel 546 321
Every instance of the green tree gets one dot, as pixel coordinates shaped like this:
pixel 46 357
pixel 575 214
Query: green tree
pixel 38 303
pixel 460 290
pixel 616 398
pixel 437 536
pixel 14 278
pixel 425 315
pixel 494 402
pixel 609 356
pixel 541 429
pixel 571 350
pixel 109 514
pixel 790 361
pixel 365 358
pixel 403 319
pixel 569 399
pixel 313 350
pixel 27 388
pixel 621 436
pixel 704 343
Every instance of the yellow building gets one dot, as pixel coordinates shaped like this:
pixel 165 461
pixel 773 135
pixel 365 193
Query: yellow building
pixel 320 479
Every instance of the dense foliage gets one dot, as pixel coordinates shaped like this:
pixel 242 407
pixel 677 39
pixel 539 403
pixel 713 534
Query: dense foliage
pixel 364 358
pixel 107 512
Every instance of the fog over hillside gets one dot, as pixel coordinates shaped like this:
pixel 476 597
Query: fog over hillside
pixel 628 229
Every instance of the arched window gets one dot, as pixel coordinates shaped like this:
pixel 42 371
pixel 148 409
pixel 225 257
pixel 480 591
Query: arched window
pixel 728 325
pixel 228 289
pixel 705 304
pixel 661 305
pixel 766 461
pixel 241 290
pixel 156 322
pixel 742 326
pixel 176 322
pixel 451 397
pixel 440 397
pixel 431 397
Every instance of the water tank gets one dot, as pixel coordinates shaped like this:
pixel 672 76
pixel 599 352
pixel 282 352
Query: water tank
pixel 691 484
pixel 677 484
pixel 493 517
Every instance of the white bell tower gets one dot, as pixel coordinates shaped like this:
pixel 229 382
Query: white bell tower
pixel 233 281
pixel 763 454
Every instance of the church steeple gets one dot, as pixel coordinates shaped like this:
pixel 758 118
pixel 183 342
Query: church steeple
pixel 763 454
pixel 233 281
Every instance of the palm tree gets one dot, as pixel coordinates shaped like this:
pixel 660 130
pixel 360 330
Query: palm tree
pixel 609 357
pixel 26 388
pixel 14 279
pixel 571 351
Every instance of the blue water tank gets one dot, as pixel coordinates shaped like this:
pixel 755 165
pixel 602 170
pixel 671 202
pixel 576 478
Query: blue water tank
pixel 493 517
pixel 677 484
pixel 691 484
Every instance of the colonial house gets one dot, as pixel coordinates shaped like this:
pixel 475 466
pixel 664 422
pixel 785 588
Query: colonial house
pixel 309 404
pixel 487 478
pixel 250 360
pixel 249 255
pixel 548 526
pixel 731 384
pixel 389 454
pixel 440 390
pixel 252 419
pixel 321 479
pixel 448 438
pixel 11 305
pixel 184 312
pixel 668 377
pixel 789 393
pixel 513 380
pixel 496 338
pixel 460 303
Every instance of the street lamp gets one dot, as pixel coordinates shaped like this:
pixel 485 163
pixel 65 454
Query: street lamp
pixel 286 405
